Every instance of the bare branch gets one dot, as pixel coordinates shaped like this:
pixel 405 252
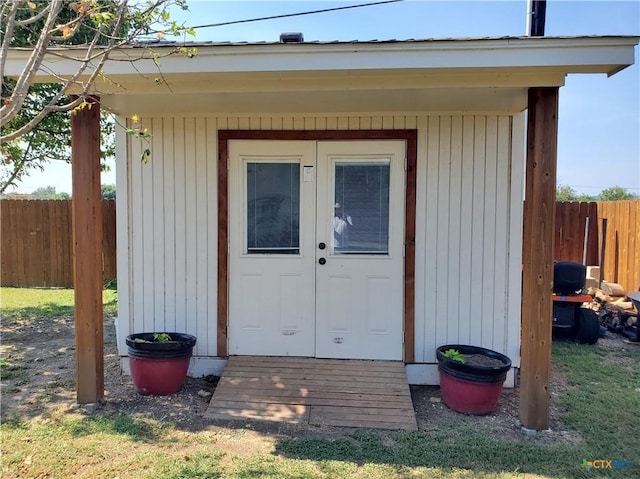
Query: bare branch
pixel 53 104
pixel 10 109
pixel 9 22
pixel 35 18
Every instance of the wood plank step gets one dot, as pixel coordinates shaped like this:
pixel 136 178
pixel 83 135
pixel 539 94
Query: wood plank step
pixel 326 374
pixel 389 397
pixel 305 362
pixel 308 383
pixel 359 393
pixel 348 411
pixel 296 372
pixel 267 412
pixel 391 405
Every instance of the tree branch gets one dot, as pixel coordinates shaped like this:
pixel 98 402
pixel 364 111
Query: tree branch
pixel 9 110
pixel 35 18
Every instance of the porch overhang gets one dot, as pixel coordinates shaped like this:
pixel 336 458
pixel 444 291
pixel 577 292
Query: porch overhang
pixel 417 75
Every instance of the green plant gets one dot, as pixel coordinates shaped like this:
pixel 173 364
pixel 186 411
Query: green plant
pixel 157 337
pixel 161 337
pixel 454 355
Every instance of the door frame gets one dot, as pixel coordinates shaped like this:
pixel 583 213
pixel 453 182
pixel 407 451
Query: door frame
pixel 411 138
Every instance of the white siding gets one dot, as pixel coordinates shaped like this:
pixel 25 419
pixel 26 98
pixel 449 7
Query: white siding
pixel 468 238
pixel 468 235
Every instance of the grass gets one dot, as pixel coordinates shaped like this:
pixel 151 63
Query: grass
pixel 602 405
pixel 40 303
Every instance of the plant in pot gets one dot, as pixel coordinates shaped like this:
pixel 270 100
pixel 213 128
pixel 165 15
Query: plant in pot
pixel 159 361
pixel 471 377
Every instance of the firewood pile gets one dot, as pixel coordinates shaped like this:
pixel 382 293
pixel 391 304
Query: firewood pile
pixel 615 310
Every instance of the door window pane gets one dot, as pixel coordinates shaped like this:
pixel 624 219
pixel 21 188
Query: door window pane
pixel 273 208
pixel 361 208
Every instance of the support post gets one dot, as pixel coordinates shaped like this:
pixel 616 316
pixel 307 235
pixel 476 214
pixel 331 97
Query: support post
pixel 86 207
pixel 537 274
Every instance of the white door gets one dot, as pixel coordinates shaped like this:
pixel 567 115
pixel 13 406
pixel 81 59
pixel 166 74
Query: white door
pixel 316 233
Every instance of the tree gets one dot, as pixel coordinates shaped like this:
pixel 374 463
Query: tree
pixel 49 192
pixel 108 192
pixel 565 193
pixel 616 193
pixel 30 113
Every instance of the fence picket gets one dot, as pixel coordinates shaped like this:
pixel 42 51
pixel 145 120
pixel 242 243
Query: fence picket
pixel 36 244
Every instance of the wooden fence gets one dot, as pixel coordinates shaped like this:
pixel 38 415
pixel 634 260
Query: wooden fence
pixel 36 249
pixel 571 221
pixel 622 242
pixel 36 242
pixel 622 246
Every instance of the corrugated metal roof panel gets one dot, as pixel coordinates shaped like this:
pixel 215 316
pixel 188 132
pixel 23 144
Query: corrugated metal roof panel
pixel 376 41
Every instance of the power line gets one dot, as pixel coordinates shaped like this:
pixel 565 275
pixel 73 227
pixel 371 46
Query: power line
pixel 235 22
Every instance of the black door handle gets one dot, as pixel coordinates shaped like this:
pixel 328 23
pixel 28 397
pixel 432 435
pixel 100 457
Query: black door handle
pixel 322 261
pixel 322 246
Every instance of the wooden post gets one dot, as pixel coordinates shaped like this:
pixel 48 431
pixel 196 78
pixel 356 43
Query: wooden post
pixel 87 252
pixel 537 274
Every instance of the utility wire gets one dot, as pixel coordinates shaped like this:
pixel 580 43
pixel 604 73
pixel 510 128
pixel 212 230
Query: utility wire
pixel 235 22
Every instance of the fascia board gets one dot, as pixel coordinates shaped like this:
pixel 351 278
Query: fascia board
pixel 575 55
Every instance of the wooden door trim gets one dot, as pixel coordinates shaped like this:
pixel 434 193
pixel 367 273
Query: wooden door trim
pixel 411 138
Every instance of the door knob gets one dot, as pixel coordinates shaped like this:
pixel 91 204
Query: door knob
pixel 322 261
pixel 322 246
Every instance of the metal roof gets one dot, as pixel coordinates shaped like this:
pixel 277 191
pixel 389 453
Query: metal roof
pixel 168 43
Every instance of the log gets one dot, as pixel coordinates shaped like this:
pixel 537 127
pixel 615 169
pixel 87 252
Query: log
pixel 613 289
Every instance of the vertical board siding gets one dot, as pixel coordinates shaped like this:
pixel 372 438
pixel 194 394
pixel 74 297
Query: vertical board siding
pixel 463 240
pixel 466 214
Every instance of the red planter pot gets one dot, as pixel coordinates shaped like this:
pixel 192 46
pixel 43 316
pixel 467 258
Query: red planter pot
pixel 159 368
pixel 469 388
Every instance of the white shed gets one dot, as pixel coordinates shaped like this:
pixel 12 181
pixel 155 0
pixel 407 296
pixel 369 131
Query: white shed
pixel 343 199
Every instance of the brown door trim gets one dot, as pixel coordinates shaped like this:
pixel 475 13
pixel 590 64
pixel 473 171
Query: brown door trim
pixel 410 136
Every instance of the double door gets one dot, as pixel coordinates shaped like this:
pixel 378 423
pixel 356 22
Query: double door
pixel 316 232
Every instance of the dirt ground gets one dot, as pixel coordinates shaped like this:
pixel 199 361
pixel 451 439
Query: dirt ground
pixel 42 383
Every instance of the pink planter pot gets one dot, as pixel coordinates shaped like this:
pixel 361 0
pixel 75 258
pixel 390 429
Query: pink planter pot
pixel 468 397
pixel 158 377
pixel 159 368
pixel 472 388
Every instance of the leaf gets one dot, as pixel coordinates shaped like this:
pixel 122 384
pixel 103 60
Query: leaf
pixel 66 31
pixel 32 5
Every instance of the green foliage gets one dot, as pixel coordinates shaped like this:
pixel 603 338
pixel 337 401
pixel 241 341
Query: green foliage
pixel 50 140
pixel 616 193
pixel 454 355
pixel 161 337
pixel 567 193
pixel 108 192
pixel 30 141
pixel 49 192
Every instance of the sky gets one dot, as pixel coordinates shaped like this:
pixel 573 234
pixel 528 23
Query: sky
pixel 599 117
